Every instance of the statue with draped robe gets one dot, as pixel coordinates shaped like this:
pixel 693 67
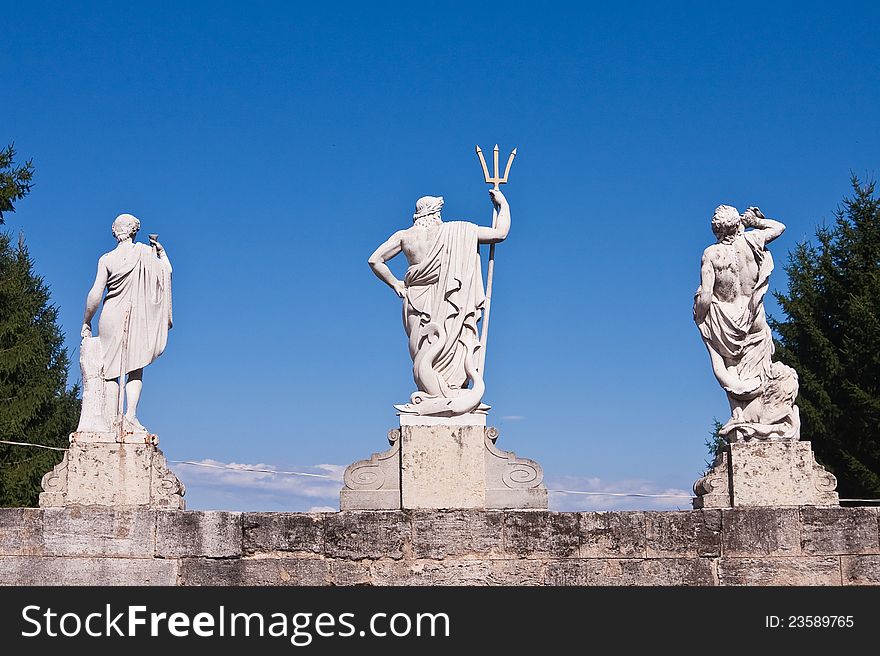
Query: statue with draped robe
pixel 729 312
pixel 134 322
pixel 442 301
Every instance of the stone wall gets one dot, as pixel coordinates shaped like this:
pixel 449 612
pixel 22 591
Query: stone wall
pixel 784 546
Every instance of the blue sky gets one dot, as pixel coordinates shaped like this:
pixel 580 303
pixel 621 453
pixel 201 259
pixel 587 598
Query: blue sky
pixel 274 146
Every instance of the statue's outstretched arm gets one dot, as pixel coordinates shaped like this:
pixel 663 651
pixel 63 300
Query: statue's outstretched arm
pixel 487 235
pixel 390 248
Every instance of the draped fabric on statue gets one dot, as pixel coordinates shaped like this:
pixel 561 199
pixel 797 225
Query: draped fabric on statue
pixel 729 328
pixel 445 294
pixel 140 295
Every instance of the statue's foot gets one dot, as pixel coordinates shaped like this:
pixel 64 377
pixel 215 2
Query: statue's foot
pixel 134 424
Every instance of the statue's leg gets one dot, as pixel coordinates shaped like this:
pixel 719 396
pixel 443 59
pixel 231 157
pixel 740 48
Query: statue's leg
pixel 111 398
pixel 133 387
pixel 729 380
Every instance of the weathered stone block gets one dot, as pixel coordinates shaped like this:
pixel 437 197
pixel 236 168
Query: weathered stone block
pixel 860 570
pixel 366 534
pixel 346 572
pixel 443 463
pixel 760 531
pixel 112 475
pixel 21 532
pixel 516 572
pixel 439 534
pixel 636 571
pixel 80 531
pixel 215 534
pixel 539 534
pixel 297 532
pixel 772 473
pixel 840 531
pixel 805 570
pixel 683 534
pixel 284 571
pixel 431 572
pixel 210 571
pixel 442 466
pixel 253 571
pixel 778 473
pixel 30 570
pixel 612 534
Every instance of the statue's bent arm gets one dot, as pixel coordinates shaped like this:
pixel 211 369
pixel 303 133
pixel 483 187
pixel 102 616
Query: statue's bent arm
pixel 163 255
pixel 487 235
pixel 703 299
pixel 772 229
pixel 93 300
pixel 754 218
pixel 389 249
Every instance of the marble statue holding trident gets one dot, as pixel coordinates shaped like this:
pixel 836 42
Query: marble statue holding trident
pixel 443 300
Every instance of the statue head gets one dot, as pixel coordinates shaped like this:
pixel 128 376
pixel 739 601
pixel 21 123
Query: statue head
pixel 125 226
pixel 428 210
pixel 726 221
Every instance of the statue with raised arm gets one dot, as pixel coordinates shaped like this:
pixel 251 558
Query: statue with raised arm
pixel 729 312
pixel 443 300
pixel 134 322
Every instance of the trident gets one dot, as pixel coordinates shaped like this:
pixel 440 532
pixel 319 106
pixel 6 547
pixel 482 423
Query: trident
pixel 496 180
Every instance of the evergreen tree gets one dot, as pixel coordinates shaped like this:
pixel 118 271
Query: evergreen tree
pixel 715 444
pixel 35 405
pixel 15 181
pixel 831 336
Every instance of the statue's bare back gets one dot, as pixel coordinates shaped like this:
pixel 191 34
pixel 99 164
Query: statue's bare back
pixel 416 242
pixel 736 272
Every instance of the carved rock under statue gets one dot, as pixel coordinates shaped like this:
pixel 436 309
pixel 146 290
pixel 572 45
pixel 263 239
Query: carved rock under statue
pixel 112 459
pixel 763 463
pixel 443 466
pixel 443 455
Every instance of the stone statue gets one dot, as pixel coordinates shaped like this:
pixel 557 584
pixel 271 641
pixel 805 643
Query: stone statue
pixel 729 311
pixel 134 323
pixel 443 300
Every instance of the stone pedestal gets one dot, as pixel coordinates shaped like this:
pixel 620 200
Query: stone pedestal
pixel 434 463
pixel 442 467
pixel 766 473
pixel 98 470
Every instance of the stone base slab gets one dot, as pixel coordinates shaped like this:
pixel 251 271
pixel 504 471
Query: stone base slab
pixel 113 475
pixel 467 419
pixel 766 473
pixel 446 466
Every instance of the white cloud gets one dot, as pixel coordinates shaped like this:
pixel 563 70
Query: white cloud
pixel 680 499
pixel 232 486
pixel 512 417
